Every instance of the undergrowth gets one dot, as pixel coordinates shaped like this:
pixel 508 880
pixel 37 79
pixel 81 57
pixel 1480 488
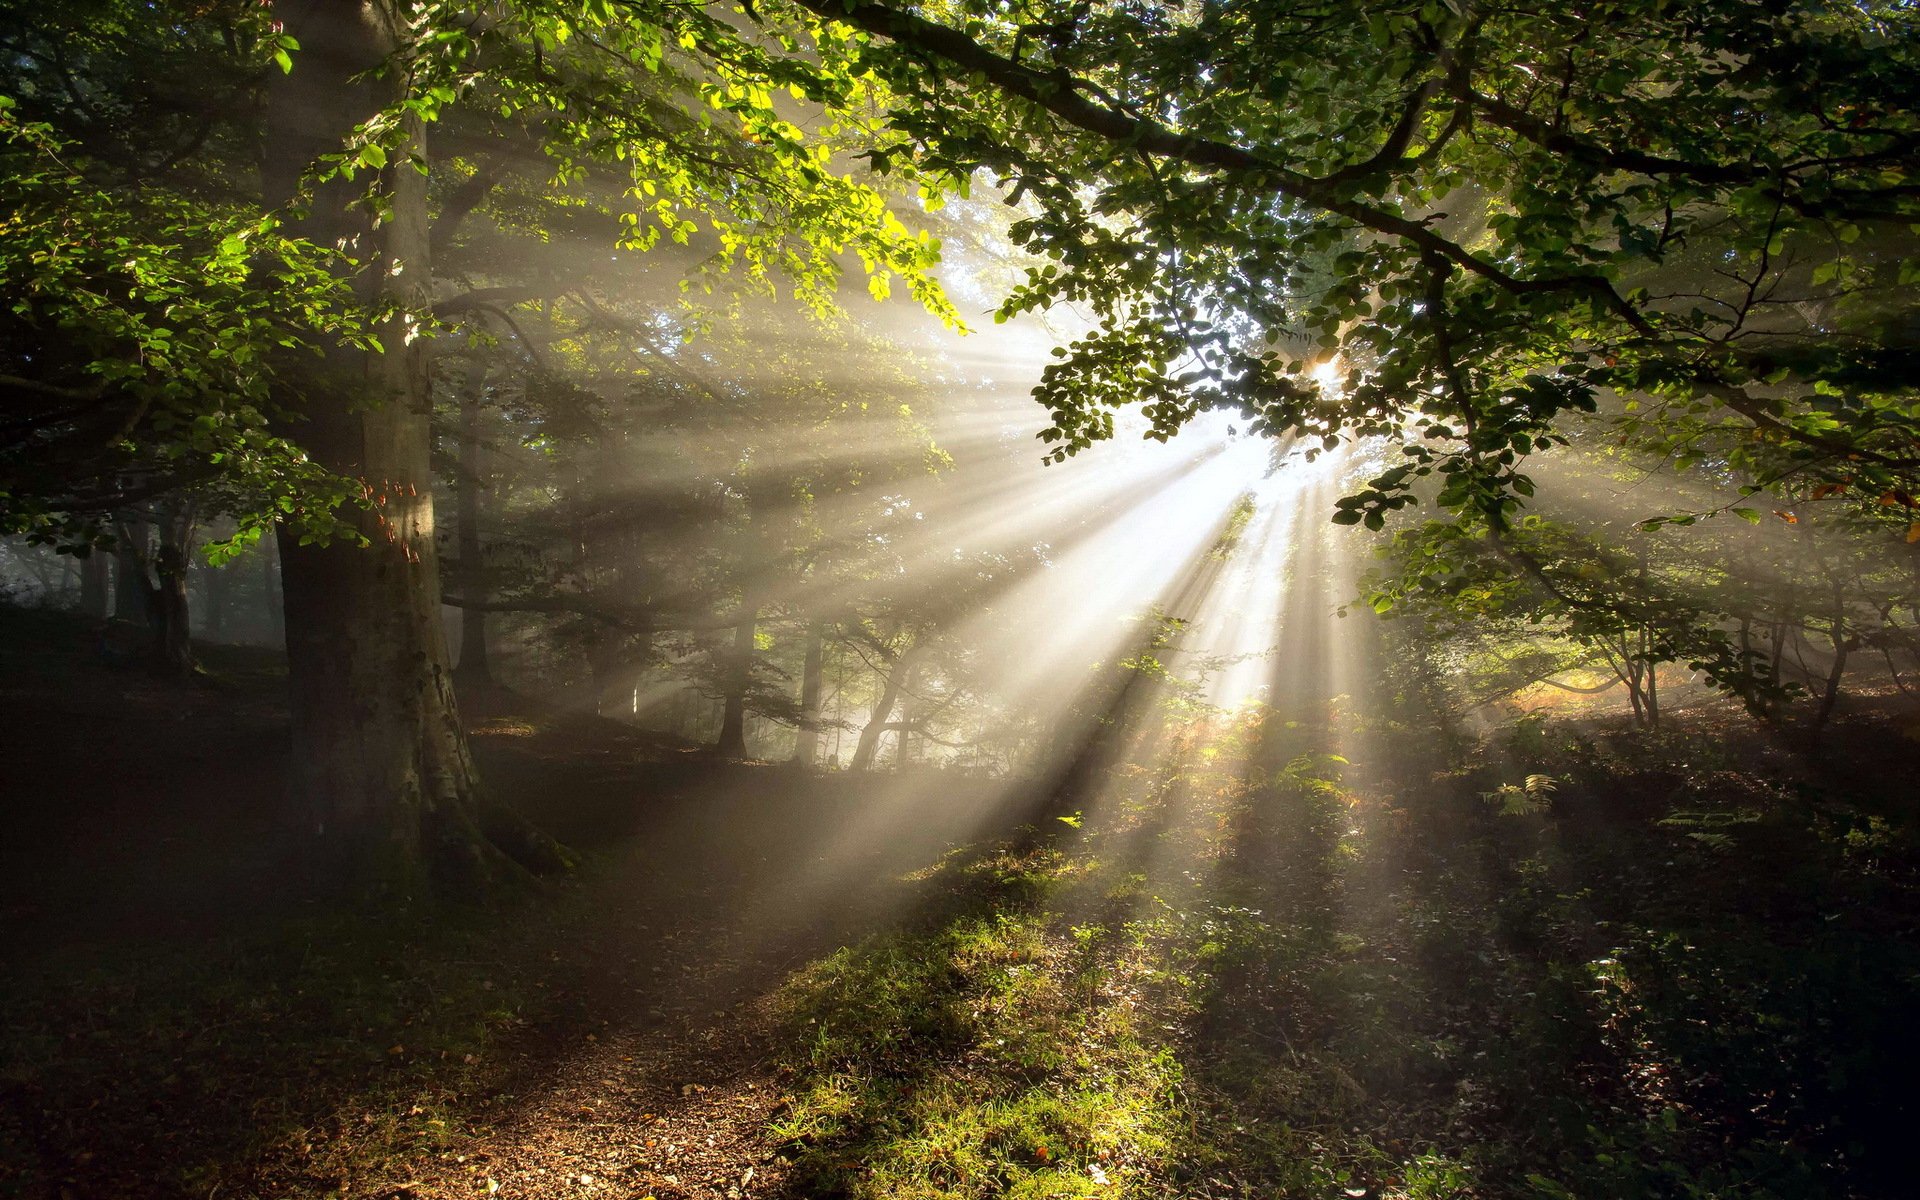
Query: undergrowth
pixel 1670 975
pixel 318 1054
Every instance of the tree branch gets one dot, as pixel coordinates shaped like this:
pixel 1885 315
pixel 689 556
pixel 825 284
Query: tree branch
pixel 1065 97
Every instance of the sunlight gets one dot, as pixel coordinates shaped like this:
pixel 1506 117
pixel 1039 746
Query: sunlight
pixel 1329 374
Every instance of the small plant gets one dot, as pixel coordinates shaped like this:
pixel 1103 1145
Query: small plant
pixel 1526 799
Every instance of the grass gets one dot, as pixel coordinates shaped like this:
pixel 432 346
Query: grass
pixel 1247 968
pixel 1002 1051
pixel 1679 975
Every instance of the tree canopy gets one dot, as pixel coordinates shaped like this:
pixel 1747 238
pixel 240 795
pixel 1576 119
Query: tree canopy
pixel 1491 215
pixel 1505 251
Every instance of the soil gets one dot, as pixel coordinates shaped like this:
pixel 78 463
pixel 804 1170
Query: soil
pixel 185 1011
pixel 147 818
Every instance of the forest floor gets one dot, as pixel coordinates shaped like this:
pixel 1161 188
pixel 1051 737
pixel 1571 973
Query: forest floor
pixel 1689 969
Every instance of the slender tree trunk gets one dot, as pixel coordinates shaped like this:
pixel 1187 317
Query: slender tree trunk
pixel 877 722
pixel 219 594
pixel 1843 645
pixel 168 609
pixel 94 581
pixel 474 671
pixel 732 742
pixel 1653 695
pixel 69 580
pixel 381 770
pixel 130 557
pixel 806 743
pixel 271 596
pixel 600 674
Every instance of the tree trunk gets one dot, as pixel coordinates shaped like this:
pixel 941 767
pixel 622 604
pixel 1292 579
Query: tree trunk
pixel 869 744
pixel 1843 645
pixel 219 595
pixel 806 744
pixel 732 742
pixel 271 592
pixel 474 671
pixel 130 568
pixel 94 595
pixel 380 771
pixel 172 636
pixel 168 609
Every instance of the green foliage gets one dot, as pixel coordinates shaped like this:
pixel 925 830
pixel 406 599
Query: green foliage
pixel 689 108
pixel 1491 220
pixel 153 299
pixel 1000 1052
pixel 1385 987
pixel 145 333
pixel 1527 798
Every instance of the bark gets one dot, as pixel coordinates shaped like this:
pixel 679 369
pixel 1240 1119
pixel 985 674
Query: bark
pixel 806 744
pixel 219 595
pixel 271 591
pixel 381 772
pixel 1843 646
pixel 168 609
pixel 475 672
pixel 172 636
pixel 130 568
pixel 94 581
pixel 600 665
pixel 732 742
pixel 877 722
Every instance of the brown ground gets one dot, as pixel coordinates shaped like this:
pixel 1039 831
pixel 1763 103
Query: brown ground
pixel 147 823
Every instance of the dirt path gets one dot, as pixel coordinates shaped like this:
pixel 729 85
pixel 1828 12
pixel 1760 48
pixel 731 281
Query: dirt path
pixel 173 1027
pixel 650 1069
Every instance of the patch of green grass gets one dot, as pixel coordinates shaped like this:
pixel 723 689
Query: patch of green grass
pixel 1001 1052
pixel 1285 988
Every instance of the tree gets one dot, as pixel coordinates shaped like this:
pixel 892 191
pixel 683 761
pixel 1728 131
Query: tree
pixel 160 302
pixel 1489 220
pixel 379 750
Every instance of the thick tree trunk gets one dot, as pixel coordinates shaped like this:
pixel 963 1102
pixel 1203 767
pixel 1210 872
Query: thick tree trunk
pixel 380 766
pixel 474 671
pixel 172 635
pixel 168 608
pixel 806 744
pixel 732 742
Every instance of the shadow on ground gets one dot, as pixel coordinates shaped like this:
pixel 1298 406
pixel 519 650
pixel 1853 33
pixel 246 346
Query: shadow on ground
pixel 1222 963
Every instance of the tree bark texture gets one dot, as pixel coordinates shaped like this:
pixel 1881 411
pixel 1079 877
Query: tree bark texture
pixel 806 743
pixel 732 742
pixel 130 568
pixel 868 748
pixel 94 583
pixel 169 609
pixel 381 770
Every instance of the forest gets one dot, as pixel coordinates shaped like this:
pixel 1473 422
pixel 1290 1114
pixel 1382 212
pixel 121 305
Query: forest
pixel 953 599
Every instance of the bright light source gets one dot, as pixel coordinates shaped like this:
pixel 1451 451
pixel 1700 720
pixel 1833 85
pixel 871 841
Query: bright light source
pixel 1329 373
